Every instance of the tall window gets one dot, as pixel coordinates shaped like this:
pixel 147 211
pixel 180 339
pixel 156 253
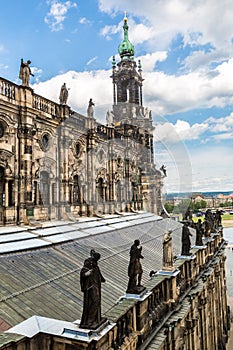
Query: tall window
pixel 76 192
pixel 2 187
pixel 100 189
pixel 44 188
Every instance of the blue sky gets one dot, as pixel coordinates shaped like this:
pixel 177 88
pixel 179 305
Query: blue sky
pixel 187 57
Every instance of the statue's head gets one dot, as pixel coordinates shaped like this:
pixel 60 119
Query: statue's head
pixel 137 242
pixel 96 256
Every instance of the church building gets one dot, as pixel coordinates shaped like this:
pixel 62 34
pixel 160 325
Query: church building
pixel 87 260
pixel 56 163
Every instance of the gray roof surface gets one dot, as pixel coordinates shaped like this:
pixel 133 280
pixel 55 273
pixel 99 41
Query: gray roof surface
pixel 43 279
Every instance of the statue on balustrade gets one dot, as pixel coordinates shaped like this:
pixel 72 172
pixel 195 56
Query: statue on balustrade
pixel 199 233
pixel 188 215
pixel 110 118
pixel 63 95
pixel 90 108
pixel 210 218
pixel 25 72
pixel 186 243
pixel 135 269
pixel 90 281
pixel 218 218
pixel 167 251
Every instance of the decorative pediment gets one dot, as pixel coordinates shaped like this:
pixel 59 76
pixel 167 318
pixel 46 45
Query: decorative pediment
pixel 46 164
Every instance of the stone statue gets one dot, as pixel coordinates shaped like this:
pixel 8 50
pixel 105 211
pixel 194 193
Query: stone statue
pixel 90 281
pixel 90 108
pixel 63 94
pixel 209 216
pixel 167 251
pixel 188 215
pixel 134 110
pixel 186 243
pixel 164 170
pixel 199 233
pixel 135 269
pixel 218 218
pixel 25 72
pixel 147 113
pixel 109 118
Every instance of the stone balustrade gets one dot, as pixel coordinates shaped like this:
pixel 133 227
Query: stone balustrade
pixel 7 88
pixel 43 104
pixel 40 103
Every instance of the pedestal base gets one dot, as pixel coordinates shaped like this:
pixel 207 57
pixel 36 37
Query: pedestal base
pixel 97 327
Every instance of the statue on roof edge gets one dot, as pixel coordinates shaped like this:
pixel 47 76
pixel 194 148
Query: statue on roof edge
pixel 90 281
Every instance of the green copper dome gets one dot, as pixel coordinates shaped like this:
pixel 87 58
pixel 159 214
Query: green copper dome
pixel 126 49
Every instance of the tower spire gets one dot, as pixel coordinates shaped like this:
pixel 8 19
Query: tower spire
pixel 126 48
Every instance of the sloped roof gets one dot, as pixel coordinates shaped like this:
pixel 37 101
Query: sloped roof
pixel 44 280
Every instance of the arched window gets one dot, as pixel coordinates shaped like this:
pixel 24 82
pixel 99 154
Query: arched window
pixel 44 188
pixel 76 191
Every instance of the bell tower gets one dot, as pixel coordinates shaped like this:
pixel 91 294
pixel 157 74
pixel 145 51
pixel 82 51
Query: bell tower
pixel 133 122
pixel 127 81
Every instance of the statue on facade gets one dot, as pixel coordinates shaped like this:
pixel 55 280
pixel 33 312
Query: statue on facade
pixel 90 108
pixel 147 113
pixel 134 111
pixel 186 243
pixel 164 170
pixel 167 251
pixel 63 94
pixel 135 269
pixel 90 281
pixel 25 72
pixel 109 118
pixel 199 233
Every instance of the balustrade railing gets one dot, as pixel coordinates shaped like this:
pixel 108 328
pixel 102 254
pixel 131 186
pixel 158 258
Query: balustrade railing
pixel 44 105
pixel 7 88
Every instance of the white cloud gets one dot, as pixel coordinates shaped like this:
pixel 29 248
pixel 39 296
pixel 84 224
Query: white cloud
pixel 138 33
pixel 171 94
pixel 57 14
pixel 83 86
pixel 150 59
pixel 3 66
pixel 107 31
pixel 211 168
pixel 199 169
pixel 92 60
pixel 178 132
pixel 198 22
pixel 2 48
pixel 84 20
pixel 165 94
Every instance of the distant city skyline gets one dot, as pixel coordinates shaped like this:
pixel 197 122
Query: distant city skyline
pixel 187 59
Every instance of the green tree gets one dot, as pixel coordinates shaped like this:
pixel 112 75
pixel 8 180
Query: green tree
pixel 169 207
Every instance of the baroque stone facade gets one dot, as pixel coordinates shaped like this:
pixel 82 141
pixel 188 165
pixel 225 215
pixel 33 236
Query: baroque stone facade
pixel 56 163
